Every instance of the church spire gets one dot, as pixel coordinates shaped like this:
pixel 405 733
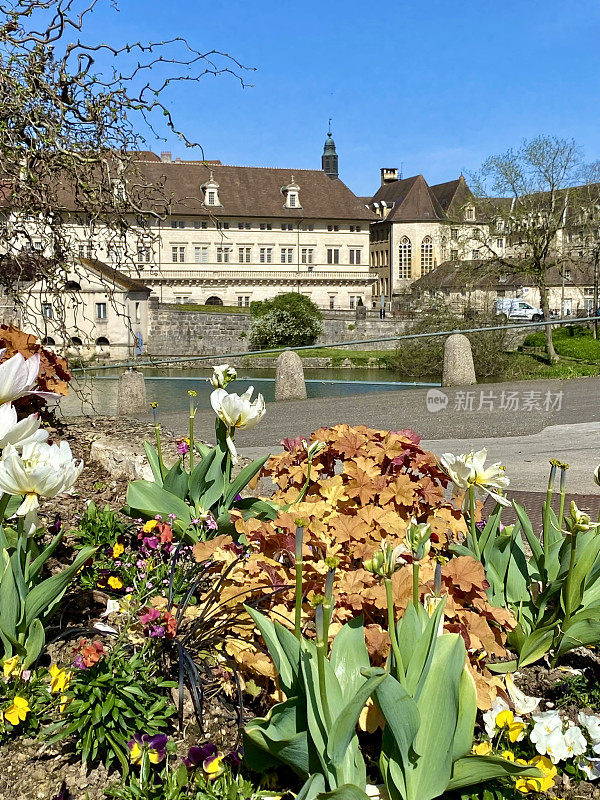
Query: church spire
pixel 329 159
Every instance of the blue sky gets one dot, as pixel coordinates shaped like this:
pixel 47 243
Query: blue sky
pixel 433 86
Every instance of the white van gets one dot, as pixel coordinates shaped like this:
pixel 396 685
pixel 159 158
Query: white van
pixel 515 308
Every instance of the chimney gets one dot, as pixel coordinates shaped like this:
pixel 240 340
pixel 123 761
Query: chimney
pixel 389 175
pixel 165 156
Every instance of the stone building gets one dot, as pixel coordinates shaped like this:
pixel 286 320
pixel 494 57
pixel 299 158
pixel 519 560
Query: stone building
pixel 235 234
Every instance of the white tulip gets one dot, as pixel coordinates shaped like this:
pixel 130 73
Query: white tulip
pixel 523 703
pixel 237 411
pixel 222 375
pixel 469 470
pixel 41 470
pixel 18 376
pixel 20 432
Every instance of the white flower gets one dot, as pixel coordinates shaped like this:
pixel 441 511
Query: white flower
pixel 547 735
pixel 469 470
pixel 523 703
pixel 222 375
pixel 237 411
pixel 591 723
pixel 18 376
pixel 597 475
pixel 590 768
pixel 489 718
pixel 41 469
pixel 313 448
pixel 575 741
pixel 19 433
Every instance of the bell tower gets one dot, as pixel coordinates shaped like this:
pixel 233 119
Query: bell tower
pixel 329 159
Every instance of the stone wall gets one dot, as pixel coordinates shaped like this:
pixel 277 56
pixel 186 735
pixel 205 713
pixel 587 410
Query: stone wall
pixel 173 331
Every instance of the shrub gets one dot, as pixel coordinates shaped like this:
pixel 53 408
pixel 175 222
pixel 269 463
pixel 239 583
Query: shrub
pixel 424 358
pixel 289 320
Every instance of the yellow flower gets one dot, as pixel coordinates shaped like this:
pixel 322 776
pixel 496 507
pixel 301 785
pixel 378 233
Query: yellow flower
pixel 64 702
pixel 213 767
pixel 526 785
pixel 118 549
pixel 482 749
pixel 115 583
pixel 154 756
pixel 11 667
pixel 505 718
pixel 59 679
pixel 150 525
pixel 135 753
pixel 17 712
pixel 508 755
pixel 514 725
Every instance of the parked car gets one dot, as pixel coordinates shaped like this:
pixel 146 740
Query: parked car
pixel 516 308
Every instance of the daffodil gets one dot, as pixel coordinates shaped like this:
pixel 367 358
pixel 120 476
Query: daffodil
pixel 17 712
pixel 18 377
pixel 18 433
pixel 40 470
pixel 222 375
pixel 11 667
pixel 59 679
pixel 469 471
pixel 237 411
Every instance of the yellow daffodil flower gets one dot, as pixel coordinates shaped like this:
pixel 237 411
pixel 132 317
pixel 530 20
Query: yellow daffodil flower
pixel 18 711
pixel 59 679
pixel 11 667
pixel 482 749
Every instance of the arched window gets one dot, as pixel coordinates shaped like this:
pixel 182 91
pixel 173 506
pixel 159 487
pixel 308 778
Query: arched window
pixel 405 258
pixel 73 286
pixel 214 301
pixel 426 255
pixel 48 341
pixel 102 341
pixel 76 341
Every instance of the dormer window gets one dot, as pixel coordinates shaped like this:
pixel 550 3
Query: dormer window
pixel 291 192
pixel 470 213
pixel 211 192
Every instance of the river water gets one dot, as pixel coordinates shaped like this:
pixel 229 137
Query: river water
pixel 96 393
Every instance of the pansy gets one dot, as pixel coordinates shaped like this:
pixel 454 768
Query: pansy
pixel 206 755
pixel 59 679
pixel 155 746
pixel 11 667
pixel 489 718
pixel 526 785
pixel 149 526
pixel 514 726
pixel 591 722
pixel 17 712
pixel 482 749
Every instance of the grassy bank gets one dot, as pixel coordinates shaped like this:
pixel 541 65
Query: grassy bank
pixel 360 358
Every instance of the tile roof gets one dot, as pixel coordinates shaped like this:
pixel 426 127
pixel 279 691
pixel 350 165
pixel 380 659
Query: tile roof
pixel 410 198
pixel 114 276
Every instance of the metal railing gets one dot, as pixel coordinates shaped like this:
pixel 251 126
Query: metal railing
pixel 152 362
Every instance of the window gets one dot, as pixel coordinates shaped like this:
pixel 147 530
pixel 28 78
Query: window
pixel 453 255
pixel 47 311
pixel 499 224
pixel 243 301
pixel 223 255
pixel 116 253
pixel 354 228
pixel 475 255
pixel 306 255
pixel 470 213
pixel 178 223
pixel 266 255
pixel 333 255
pixel 198 224
pixel 178 253
pixel 244 255
pixel 454 233
pixel 201 254
pixel 405 258
pixel 333 227
pixel 310 227
pixel 588 291
pixel 287 226
pixel 266 226
pixel 37 245
pixel 292 200
pixel 567 274
pixel 143 255
pixel 354 256
pixel 500 244
pixel 101 311
pixel 85 250
pixel 212 197
pixel 331 301
pixel 426 255
pixel 138 312
pixel 287 255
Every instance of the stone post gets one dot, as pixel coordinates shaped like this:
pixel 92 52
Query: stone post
pixel 459 369
pixel 131 393
pixel 289 377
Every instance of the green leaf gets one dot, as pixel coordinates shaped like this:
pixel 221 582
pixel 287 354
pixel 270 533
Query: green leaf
pixel 176 481
pixel 36 566
pixel 532 539
pixel 314 786
pixel 197 485
pixel 282 734
pixel 283 648
pixel 502 667
pixel 536 645
pixel 400 711
pixel 34 643
pixel 150 499
pixel 467 712
pixel 153 460
pixel 242 480
pixel 349 655
pixel 423 653
pixel 10 610
pixel 346 791
pixel 343 728
pixel 478 769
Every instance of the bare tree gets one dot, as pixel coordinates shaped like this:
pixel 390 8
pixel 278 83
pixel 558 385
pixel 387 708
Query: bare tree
pixel 71 134
pixel 523 196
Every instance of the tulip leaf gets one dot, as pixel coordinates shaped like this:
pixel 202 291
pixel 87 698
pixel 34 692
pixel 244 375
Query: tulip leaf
pixel 400 711
pixel 349 655
pixel 176 481
pixel 347 791
pixel 502 667
pixel 154 461
pixel 283 648
pixel 36 566
pixel 10 611
pixel 587 550
pixel 34 643
pixel 532 539
pixel 150 499
pixel 423 653
pixel 535 646
pixel 344 726
pixel 282 735
pixel 314 786
pixel 242 480
pixel 467 712
pixel 478 769
pixel 197 484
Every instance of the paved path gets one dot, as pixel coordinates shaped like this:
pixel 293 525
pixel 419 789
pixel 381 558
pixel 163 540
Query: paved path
pixel 522 423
